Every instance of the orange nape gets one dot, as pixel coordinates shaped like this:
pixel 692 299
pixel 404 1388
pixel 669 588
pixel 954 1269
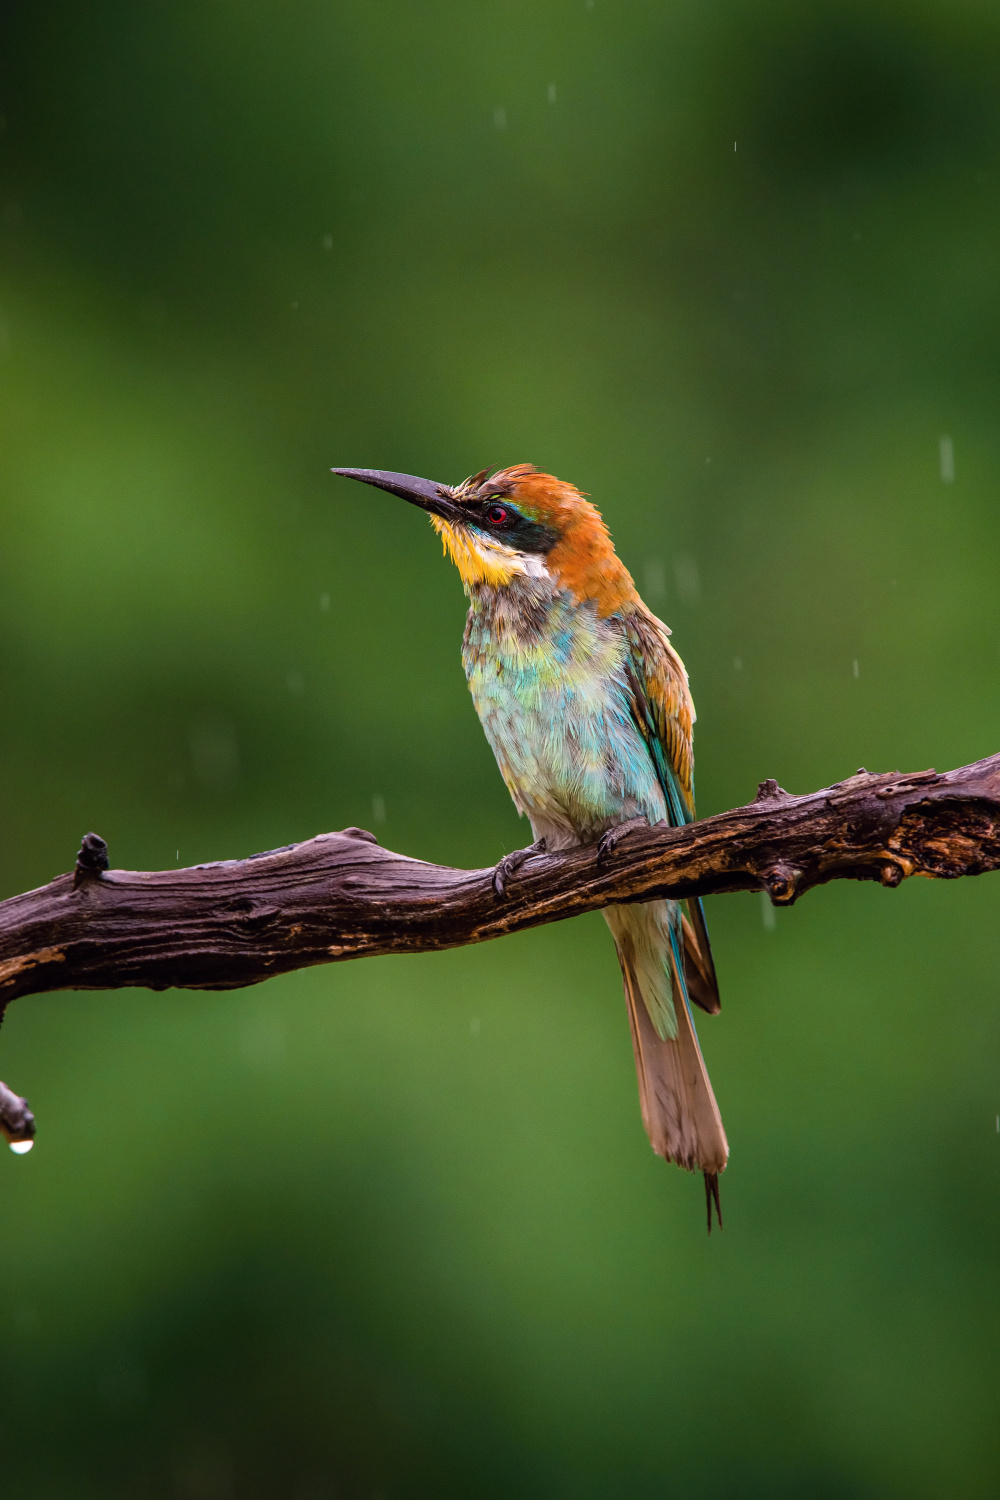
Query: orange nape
pixel 583 560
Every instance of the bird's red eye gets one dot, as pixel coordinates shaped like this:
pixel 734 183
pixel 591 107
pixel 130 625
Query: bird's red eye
pixel 497 514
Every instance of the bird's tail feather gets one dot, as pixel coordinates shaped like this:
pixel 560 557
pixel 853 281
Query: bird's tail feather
pixel 699 966
pixel 679 1110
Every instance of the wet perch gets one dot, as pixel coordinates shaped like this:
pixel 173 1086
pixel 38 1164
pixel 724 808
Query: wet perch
pixel 341 895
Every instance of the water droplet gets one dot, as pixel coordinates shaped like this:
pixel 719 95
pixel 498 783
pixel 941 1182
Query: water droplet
pixel 767 912
pixel 262 1041
pixel 324 601
pixel 378 808
pixel 654 580
pixel 737 664
pixel 474 1026
pixel 21 1148
pixel 946 451
pixel 500 117
pixel 688 578
pixel 328 242
pixel 856 668
pixel 552 93
pixel 215 753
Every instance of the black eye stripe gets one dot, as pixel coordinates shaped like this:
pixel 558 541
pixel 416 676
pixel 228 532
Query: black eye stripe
pixel 496 514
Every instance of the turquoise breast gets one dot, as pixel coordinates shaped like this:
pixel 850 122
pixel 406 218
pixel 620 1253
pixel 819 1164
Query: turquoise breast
pixel 549 681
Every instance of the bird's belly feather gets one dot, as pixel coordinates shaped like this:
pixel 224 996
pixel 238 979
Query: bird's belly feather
pixel 556 713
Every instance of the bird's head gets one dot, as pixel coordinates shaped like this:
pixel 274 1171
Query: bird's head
pixel 517 523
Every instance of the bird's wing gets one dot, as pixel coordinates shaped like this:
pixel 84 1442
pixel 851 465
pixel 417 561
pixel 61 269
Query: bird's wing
pixel 662 709
pixel 661 705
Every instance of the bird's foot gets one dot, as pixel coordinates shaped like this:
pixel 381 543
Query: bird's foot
pixel 606 844
pixel 712 1197
pixel 511 863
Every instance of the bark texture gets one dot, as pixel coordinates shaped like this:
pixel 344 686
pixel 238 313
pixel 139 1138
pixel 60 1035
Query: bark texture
pixel 341 895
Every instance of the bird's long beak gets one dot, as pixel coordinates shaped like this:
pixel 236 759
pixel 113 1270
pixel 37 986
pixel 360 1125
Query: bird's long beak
pixel 435 498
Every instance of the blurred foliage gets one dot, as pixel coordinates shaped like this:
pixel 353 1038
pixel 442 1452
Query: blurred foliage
pixel 393 1229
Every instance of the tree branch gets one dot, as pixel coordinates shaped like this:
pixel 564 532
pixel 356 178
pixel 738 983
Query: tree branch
pixel 340 895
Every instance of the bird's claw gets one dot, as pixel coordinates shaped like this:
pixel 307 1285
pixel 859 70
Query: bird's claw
pixel 511 863
pixel 607 842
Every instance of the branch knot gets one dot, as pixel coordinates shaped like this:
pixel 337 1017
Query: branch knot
pixel 770 791
pixel 92 859
pixel 782 884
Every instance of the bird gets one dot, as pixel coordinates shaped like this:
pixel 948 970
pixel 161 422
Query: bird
pixel 587 708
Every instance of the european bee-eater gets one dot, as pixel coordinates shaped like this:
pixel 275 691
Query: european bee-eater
pixel 587 708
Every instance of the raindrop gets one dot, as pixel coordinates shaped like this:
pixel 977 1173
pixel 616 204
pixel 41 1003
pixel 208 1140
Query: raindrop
pixel 688 578
pixel 737 664
pixel 21 1148
pixel 328 242
pixel 856 667
pixel 262 1041
pixel 324 601
pixel 474 1026
pixel 378 808
pixel 946 451
pixel 500 117
pixel 215 753
pixel 654 579
pixel 767 912
pixel 552 93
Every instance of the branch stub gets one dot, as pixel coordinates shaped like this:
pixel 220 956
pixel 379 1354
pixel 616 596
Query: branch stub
pixel 782 884
pixel 770 791
pixel 92 859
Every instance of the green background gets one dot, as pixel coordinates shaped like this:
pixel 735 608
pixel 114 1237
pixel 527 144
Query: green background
pixel 392 1228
